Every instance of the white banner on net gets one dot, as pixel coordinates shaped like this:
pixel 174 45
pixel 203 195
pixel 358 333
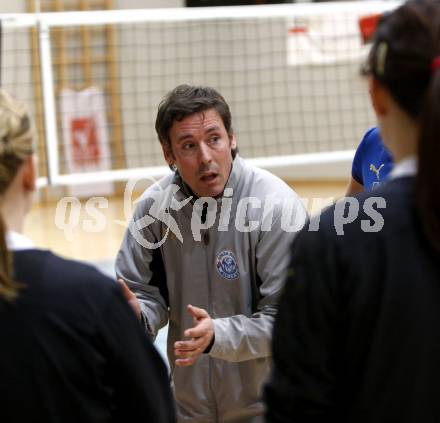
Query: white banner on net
pixel 325 40
pixel 85 138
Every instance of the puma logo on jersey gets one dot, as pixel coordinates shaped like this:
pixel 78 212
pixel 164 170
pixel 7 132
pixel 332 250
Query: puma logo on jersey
pixel 376 171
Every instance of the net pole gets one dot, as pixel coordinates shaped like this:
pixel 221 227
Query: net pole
pixel 50 122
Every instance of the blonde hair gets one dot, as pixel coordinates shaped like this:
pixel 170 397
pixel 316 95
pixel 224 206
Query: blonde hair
pixel 16 145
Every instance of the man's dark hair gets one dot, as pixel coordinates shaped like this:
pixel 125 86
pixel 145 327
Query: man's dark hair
pixel 186 100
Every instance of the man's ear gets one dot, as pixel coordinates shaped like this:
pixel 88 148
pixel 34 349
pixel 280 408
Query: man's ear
pixel 29 179
pixel 233 142
pixel 168 155
pixel 379 97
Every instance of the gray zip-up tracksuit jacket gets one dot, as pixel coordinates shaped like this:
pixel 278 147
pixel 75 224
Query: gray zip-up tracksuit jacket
pixel 233 265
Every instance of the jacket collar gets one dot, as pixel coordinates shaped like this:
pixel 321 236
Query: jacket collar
pixel 236 172
pixel 406 167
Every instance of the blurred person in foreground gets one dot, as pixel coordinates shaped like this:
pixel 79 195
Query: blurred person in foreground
pixel 71 347
pixel 357 336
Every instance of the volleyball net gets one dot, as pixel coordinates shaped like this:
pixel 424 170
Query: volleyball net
pixel 290 73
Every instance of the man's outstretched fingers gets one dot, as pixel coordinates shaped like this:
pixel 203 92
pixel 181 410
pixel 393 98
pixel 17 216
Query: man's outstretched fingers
pixel 187 345
pixel 197 312
pixel 196 332
pixel 182 362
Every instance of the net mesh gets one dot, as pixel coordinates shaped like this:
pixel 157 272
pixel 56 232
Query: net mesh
pixel 277 108
pixel 292 80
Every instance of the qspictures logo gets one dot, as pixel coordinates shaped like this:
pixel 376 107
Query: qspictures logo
pixel 161 206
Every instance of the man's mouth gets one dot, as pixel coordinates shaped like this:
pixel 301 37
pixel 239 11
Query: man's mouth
pixel 209 176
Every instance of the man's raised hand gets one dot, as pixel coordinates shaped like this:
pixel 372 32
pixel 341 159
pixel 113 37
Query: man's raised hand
pixel 201 334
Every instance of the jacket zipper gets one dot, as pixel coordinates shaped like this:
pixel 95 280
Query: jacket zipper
pixel 206 240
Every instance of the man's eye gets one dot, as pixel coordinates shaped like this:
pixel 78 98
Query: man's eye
pixel 215 140
pixel 188 146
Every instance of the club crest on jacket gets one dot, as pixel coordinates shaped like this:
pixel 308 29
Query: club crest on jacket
pixel 227 265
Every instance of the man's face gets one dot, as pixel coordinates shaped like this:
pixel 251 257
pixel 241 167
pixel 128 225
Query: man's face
pixel 201 151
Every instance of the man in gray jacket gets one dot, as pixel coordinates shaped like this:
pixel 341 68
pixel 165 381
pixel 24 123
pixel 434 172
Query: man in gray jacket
pixel 207 251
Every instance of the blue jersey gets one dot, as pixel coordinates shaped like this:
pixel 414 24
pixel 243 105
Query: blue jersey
pixel 372 162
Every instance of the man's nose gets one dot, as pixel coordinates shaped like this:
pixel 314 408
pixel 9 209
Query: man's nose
pixel 204 153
